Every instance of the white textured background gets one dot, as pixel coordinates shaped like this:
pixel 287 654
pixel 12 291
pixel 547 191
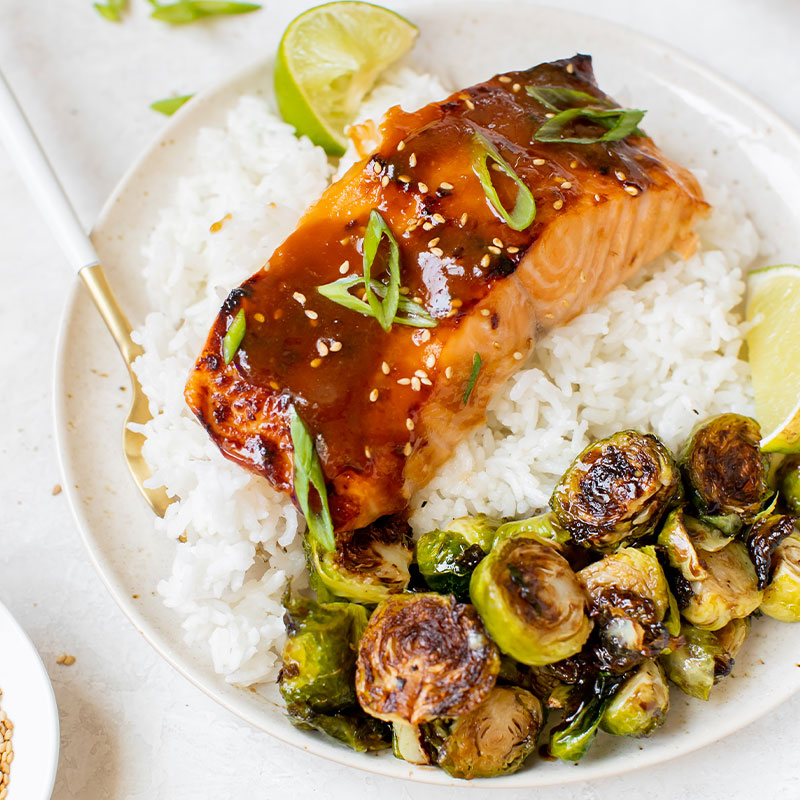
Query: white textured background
pixel 132 728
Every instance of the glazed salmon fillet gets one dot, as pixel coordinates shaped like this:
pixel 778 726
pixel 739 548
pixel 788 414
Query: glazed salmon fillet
pixel 385 408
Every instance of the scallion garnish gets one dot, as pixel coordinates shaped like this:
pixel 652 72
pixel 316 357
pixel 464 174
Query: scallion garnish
pixel 170 105
pixel 557 98
pixel 111 10
pixel 185 11
pixel 473 377
pixel 414 315
pixel 524 210
pixel 383 310
pixel 308 469
pixel 233 338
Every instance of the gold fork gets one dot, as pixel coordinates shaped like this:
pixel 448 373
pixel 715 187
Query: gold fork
pixel 27 154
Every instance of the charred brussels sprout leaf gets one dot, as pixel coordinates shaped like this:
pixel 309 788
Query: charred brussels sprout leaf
pixel 368 564
pixel 530 601
pixel 629 598
pixel 319 654
pixel 789 483
pixel 495 738
pixel 768 531
pixel 350 726
pixel 616 490
pixel 705 658
pixel 640 704
pixel 543 527
pixel 424 656
pixel 725 471
pixel 782 595
pixel 446 558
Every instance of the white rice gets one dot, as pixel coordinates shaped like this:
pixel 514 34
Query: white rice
pixel 656 354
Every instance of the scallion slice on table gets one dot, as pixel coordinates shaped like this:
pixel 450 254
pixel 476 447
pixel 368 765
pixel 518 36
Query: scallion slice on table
pixel 233 338
pixel 524 211
pixel 473 377
pixel 169 105
pixel 308 470
pixel 185 11
pixel 111 10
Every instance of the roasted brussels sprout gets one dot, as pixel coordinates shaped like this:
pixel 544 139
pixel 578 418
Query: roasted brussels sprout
pixel 640 704
pixel 616 490
pixel 789 483
pixel 768 531
pixel 705 658
pixel 368 564
pixel 319 654
pixel 543 527
pixel 446 558
pixel 424 656
pixel 530 601
pixel 495 738
pixel 782 595
pixel 628 598
pixel 350 726
pixel 418 744
pixel 725 470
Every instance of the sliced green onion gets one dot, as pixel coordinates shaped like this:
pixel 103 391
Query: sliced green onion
pixel 524 210
pixel 620 122
pixel 185 11
pixel 556 98
pixel 308 469
pixel 233 338
pixel 383 311
pixel 473 377
pixel 415 315
pixel 169 105
pixel 111 10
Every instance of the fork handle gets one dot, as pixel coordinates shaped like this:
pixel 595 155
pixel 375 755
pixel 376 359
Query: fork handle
pixel 30 160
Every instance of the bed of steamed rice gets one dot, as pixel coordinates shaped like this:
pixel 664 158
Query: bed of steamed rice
pixel 658 353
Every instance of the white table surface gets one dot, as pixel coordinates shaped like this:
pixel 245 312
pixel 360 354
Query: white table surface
pixel 131 727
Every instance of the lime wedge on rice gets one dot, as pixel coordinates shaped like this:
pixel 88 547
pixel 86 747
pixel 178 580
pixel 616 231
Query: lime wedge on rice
pixel 328 59
pixel 773 306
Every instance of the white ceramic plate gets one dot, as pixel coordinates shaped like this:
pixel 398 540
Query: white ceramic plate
pixel 695 116
pixel 29 701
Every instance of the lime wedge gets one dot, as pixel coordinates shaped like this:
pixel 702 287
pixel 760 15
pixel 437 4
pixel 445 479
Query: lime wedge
pixel 328 59
pixel 773 306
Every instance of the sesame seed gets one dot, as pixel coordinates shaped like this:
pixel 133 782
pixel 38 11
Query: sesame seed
pixel 404 179
pixel 549 115
pixel 467 102
pixel 485 312
pixel 558 205
pixel 423 187
pixel 504 79
pixel 496 345
pixel 367 451
pixel 464 218
pixel 425 335
pixel 632 190
pixel 426 381
pixel 497 242
pixel 517 356
pixel 409 423
pixel 385 181
pixel 420 373
pixel 448 373
pixel 416 299
pixel 437 251
pixel 512 250
pixel 430 361
pixel 620 175
pixel 456 302
pixel 415 385
pixel 446 186
pixel 407 449
pixel 335 346
pixel 322 348
pixel 566 185
pixel 301 298
pixel 385 368
pixel 427 226
pixel 401 146
pixel 438 218
pixel 404 381
pixel 404 290
pixel 433 242
pixel 537 162
pixel 452 312
pixel 516 87
pixel 492 249
pixel 486 260
pixel 311 314
pixel 497 168
pixel 412 160
pixel 570 68
pixel 376 167
pixel 345 241
pixel 597 198
pixel 373 395
pixel 274 385
pixel 573 164
pixel 344 267
pixel 258 316
pixel 316 362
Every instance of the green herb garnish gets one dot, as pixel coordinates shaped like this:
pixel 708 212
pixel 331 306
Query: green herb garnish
pixel 307 469
pixel 233 338
pixel 473 377
pixel 557 98
pixel 415 315
pixel 524 210
pixel 112 9
pixel 185 11
pixel 169 105
pixel 383 310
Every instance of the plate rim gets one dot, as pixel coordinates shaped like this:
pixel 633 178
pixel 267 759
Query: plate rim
pixel 159 642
